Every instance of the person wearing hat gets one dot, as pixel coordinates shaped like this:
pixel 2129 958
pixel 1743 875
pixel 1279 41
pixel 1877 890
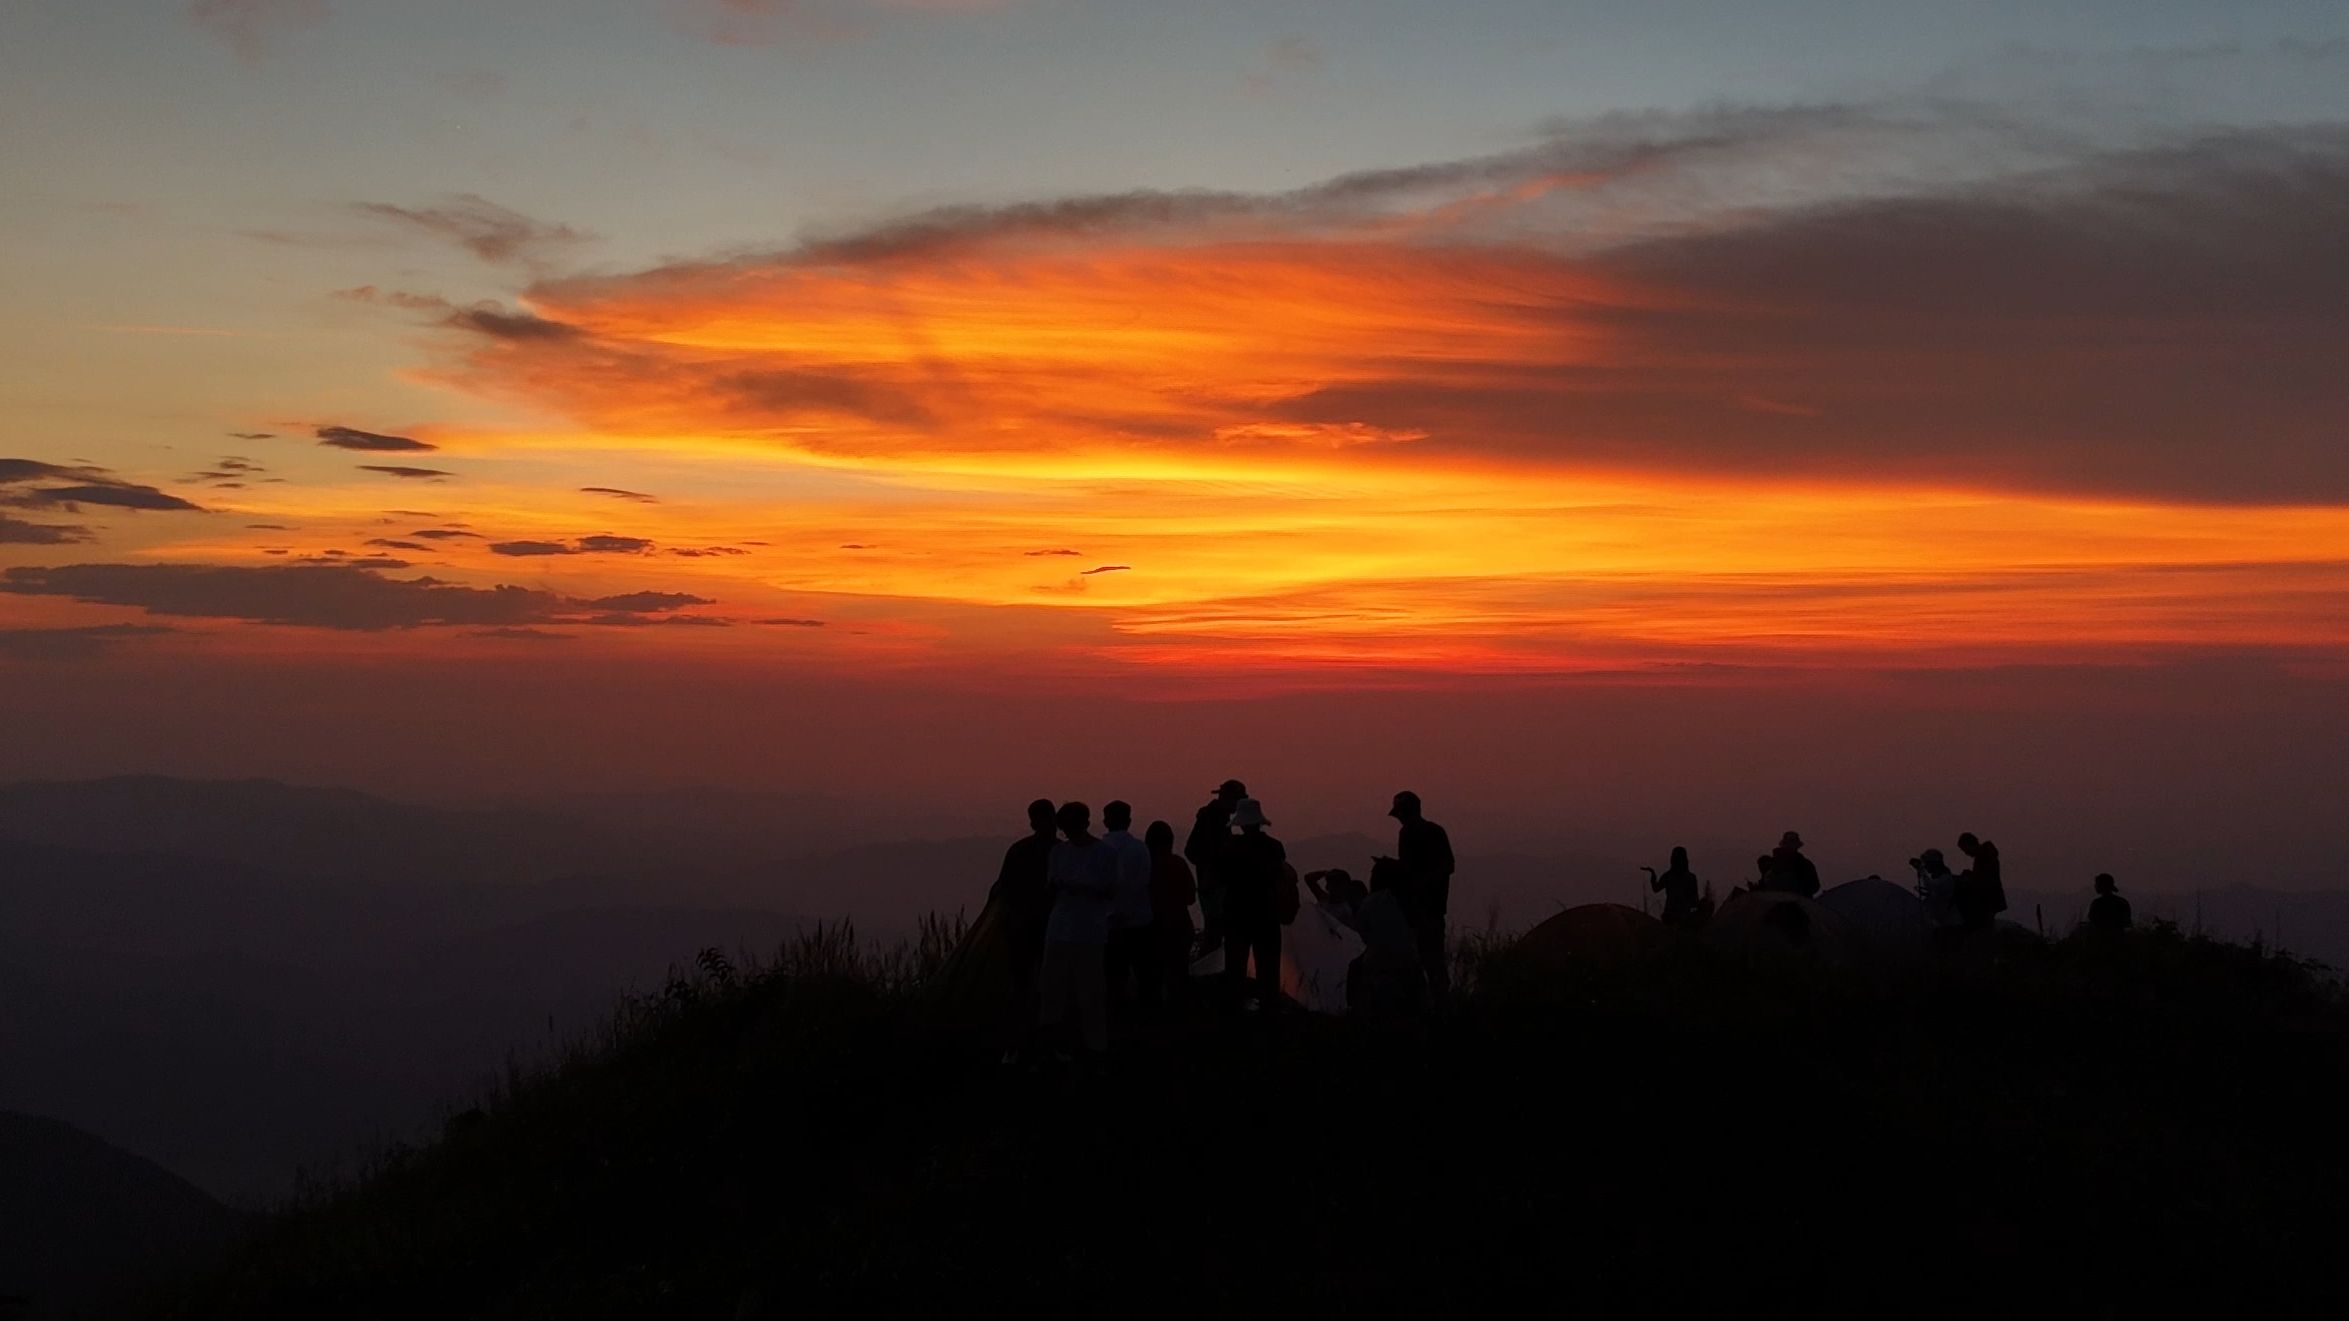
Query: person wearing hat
pixel 1790 871
pixel 1251 868
pixel 2108 914
pixel 1203 848
pixel 1424 852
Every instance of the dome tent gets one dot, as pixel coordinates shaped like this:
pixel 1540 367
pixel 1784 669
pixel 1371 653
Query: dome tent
pixel 1774 925
pixel 1887 922
pixel 1316 950
pixel 1594 938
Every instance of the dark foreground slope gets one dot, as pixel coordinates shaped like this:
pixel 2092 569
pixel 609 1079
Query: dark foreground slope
pixel 2148 1128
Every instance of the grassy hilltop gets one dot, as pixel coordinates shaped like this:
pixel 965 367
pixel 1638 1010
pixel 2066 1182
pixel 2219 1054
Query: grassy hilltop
pixel 2105 1127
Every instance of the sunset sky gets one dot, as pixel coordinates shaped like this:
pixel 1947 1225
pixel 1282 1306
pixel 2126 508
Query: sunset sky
pixel 497 396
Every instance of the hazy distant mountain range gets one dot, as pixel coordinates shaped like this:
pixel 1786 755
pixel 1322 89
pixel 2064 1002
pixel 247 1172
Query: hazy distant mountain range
pixel 85 1222
pixel 238 979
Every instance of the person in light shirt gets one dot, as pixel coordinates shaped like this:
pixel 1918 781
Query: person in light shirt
pixel 1133 968
pixel 1073 983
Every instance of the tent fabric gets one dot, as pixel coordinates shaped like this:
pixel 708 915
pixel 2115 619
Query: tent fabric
pixel 1769 924
pixel 1593 937
pixel 1316 950
pixel 1887 921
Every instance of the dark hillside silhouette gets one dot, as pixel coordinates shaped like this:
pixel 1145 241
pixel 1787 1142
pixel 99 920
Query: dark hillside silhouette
pixel 252 1019
pixel 1665 1131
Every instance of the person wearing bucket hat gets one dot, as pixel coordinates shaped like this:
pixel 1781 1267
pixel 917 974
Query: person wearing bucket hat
pixel 1203 848
pixel 1251 868
pixel 1424 852
pixel 1790 871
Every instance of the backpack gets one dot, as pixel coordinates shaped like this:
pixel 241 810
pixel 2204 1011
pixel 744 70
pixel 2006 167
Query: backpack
pixel 1286 902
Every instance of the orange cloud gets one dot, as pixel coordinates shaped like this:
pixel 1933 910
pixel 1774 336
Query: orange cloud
pixel 1467 418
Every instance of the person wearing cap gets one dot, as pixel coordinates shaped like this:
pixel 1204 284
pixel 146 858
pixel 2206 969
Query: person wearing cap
pixel 2108 914
pixel 1790 871
pixel 1424 852
pixel 1203 848
pixel 1251 866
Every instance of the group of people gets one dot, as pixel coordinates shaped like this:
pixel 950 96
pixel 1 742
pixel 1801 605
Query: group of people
pixel 1955 902
pixel 1969 900
pixel 1096 921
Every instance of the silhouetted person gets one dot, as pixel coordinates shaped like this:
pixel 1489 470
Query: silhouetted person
pixel 1171 891
pixel 1132 960
pixel 1211 829
pixel 1022 887
pixel 1762 872
pixel 1790 872
pixel 1678 885
pixel 1936 888
pixel 1424 852
pixel 2108 912
pixel 1338 891
pixel 1252 866
pixel 1981 891
pixel 1084 890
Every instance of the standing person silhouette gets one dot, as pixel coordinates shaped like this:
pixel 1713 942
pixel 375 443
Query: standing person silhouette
pixel 1171 891
pixel 2108 913
pixel 1022 887
pixel 1211 828
pixel 1084 889
pixel 1936 888
pixel 1252 866
pixel 1678 885
pixel 1790 871
pixel 1132 961
pixel 1981 891
pixel 1425 854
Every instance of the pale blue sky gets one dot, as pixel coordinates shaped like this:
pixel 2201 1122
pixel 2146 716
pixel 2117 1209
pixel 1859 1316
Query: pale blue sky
pixel 144 153
pixel 609 114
